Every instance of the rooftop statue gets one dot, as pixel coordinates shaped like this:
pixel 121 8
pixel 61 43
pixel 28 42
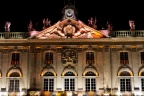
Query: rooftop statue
pixel 7 26
pixel 92 22
pixel 132 24
pixel 46 23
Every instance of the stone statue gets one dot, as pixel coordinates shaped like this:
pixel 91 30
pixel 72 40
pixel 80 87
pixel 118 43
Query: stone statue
pixel 7 26
pixel 92 22
pixel 109 26
pixel 46 23
pixel 132 24
pixel 30 26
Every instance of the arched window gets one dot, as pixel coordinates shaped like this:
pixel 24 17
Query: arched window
pixel 48 81
pixel 15 74
pixel 69 73
pixel 90 73
pixel 48 74
pixel 14 83
pixel 90 81
pixel 125 81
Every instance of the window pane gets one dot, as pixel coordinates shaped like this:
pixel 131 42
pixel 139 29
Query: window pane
pixel 125 85
pixel 89 57
pixel 14 85
pixel 15 58
pixel 69 84
pixel 142 84
pixel 142 57
pixel 49 58
pixel 124 58
pixel 48 84
pixel 90 84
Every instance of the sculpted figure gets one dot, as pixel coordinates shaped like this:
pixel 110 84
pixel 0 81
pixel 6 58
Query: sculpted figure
pixel 92 22
pixel 132 24
pixel 7 26
pixel 46 23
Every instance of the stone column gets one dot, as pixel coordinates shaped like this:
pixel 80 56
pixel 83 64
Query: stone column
pixel 59 70
pixel 80 70
pixel 4 67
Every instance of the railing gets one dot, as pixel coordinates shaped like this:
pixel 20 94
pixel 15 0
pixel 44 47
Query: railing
pixel 127 33
pixel 14 35
pixel 116 33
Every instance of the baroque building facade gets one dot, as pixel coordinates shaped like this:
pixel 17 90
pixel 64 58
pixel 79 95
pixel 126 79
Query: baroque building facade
pixel 72 58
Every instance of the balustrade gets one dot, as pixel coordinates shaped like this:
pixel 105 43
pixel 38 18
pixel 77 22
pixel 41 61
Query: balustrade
pixel 115 33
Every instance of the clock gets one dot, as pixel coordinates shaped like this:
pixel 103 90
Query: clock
pixel 69 13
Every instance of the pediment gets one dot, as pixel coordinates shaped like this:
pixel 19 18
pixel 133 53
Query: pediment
pixel 69 28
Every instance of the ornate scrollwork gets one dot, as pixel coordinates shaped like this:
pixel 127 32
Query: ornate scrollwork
pixel 69 55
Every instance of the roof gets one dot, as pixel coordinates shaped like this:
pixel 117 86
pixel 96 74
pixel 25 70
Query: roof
pixel 69 28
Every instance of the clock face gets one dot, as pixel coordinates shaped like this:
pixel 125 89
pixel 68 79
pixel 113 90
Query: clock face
pixel 69 13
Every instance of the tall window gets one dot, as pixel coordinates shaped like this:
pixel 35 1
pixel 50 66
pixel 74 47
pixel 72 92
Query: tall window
pixel 142 84
pixel 69 81
pixel 14 83
pixel 69 84
pixel 15 59
pixel 89 57
pixel 90 81
pixel 142 57
pixel 142 81
pixel 49 58
pixel 124 58
pixel 125 84
pixel 48 83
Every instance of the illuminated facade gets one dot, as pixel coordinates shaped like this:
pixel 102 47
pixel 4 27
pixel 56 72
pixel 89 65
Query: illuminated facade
pixel 72 58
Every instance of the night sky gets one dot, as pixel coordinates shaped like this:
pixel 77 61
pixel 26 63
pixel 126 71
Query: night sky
pixel 117 12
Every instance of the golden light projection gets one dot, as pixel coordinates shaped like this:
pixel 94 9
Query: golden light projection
pixel 38 47
pixel 92 70
pixel 100 46
pixel 133 46
pixel 125 69
pixel 70 28
pixel 14 70
pixel 46 93
pixel 140 72
pixel 96 34
pixel 48 70
pixel 80 46
pixel 0 75
pixel 112 46
pixel 59 47
pixel 131 74
pixel 71 70
pixel 6 47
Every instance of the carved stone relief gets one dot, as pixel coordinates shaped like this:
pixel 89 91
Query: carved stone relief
pixel 69 56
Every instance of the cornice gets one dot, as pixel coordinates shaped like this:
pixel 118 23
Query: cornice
pixel 76 41
pixel 13 42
